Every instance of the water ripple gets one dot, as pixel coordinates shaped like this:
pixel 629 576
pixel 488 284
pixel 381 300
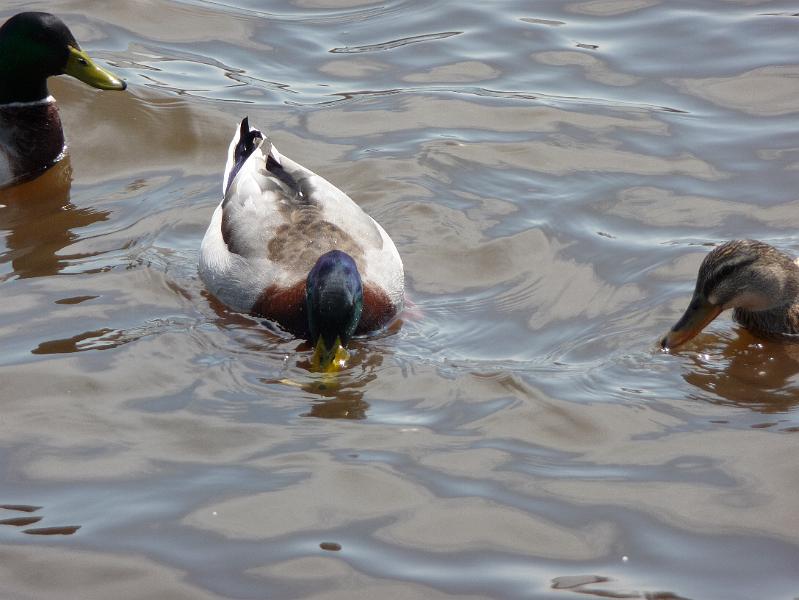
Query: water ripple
pixel 397 43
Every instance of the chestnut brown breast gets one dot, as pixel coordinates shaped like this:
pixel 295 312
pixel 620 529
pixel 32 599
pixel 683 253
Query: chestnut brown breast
pixel 286 306
pixel 33 138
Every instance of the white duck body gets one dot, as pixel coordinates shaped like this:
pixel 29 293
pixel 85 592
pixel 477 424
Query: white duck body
pixel 275 220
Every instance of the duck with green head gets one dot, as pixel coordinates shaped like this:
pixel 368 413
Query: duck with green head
pixel 33 47
pixel 288 245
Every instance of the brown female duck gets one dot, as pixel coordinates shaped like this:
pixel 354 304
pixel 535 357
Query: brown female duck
pixel 755 279
pixel 34 46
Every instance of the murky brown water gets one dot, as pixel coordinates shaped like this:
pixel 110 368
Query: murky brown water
pixel 552 174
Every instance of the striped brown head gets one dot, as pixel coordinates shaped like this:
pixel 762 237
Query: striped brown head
pixel 743 274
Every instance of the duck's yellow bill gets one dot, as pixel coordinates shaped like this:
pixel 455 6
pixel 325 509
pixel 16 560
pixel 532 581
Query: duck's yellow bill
pixel 696 317
pixel 80 66
pixel 329 360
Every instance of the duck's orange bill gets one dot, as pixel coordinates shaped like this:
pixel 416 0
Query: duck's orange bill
pixel 696 317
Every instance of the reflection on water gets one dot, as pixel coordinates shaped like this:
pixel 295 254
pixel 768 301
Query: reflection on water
pixel 20 521
pixel 20 507
pixel 41 221
pixel 82 341
pixel 335 395
pixel 67 530
pixel 31 520
pixel 748 372
pixel 552 174
pixel 588 585
pixel 344 404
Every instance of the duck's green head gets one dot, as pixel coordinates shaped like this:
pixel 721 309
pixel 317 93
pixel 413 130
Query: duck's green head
pixel 334 301
pixel 36 45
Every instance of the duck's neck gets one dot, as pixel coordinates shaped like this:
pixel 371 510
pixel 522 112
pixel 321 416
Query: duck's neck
pixel 31 138
pixel 21 79
pixel 16 87
pixel 774 322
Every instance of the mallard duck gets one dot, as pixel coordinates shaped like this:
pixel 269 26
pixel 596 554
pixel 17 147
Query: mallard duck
pixel 287 245
pixel 34 46
pixel 755 279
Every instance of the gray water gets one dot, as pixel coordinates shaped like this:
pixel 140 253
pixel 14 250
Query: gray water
pixel 552 174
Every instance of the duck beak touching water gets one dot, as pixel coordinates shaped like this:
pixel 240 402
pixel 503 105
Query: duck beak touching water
pixel 283 244
pixel 334 301
pixel 699 313
pixel 755 279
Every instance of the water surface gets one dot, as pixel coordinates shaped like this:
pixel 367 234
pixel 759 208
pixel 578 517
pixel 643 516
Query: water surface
pixel 552 174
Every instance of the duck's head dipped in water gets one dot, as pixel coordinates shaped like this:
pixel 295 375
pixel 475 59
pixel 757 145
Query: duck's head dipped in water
pixel 333 303
pixel 755 279
pixel 288 245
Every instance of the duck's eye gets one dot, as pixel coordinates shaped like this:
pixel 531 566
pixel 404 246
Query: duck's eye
pixel 83 62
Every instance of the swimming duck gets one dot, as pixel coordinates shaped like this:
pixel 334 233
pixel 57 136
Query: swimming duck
pixel 34 46
pixel 287 245
pixel 755 279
